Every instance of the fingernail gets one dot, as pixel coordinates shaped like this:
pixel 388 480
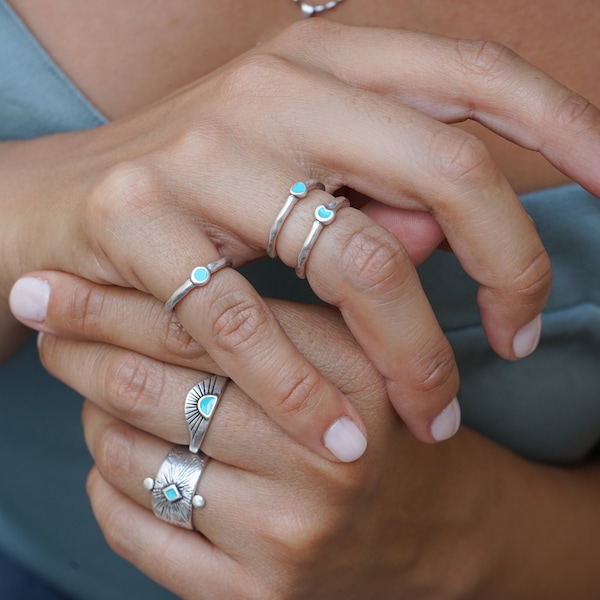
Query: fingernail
pixel 527 338
pixel 29 299
pixel 446 424
pixel 345 440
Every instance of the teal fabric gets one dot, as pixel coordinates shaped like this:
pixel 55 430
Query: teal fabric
pixel 545 407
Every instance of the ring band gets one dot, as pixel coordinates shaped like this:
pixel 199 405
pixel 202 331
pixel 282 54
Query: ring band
pixel 324 215
pixel 200 404
pixel 174 489
pixel 298 191
pixel 199 277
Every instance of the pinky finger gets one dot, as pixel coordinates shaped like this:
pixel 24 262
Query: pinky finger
pixel 182 561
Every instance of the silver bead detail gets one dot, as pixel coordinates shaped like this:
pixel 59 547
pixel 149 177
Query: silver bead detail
pixel 198 501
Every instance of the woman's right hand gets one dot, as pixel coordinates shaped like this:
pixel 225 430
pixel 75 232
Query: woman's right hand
pixel 203 174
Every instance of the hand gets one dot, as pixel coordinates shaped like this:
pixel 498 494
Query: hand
pixel 463 520
pixel 204 172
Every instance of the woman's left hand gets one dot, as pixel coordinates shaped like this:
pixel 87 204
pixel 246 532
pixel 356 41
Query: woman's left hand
pixel 408 519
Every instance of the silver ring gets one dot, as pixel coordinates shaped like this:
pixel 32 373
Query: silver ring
pixel 174 489
pixel 199 277
pixel 324 215
pixel 200 404
pixel 298 191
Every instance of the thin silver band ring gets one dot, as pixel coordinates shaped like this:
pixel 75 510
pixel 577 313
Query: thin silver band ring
pixel 298 191
pixel 199 277
pixel 324 215
pixel 174 489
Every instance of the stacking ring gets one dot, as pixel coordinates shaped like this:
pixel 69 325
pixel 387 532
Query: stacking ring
pixel 174 489
pixel 199 277
pixel 324 215
pixel 200 404
pixel 298 191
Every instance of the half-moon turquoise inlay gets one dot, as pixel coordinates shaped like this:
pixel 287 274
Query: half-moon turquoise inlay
pixel 200 276
pixel 298 189
pixel 206 405
pixel 324 214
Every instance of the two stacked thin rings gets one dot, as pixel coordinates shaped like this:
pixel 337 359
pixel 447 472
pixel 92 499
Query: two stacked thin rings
pixel 324 215
pixel 174 490
pixel 298 191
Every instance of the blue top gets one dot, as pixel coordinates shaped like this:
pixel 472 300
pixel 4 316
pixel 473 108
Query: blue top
pixel 544 407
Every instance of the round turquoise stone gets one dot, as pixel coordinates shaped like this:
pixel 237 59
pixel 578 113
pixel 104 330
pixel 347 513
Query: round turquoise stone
pixel 200 276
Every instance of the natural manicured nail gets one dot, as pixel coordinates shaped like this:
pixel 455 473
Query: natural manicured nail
pixel 345 440
pixel 446 424
pixel 29 299
pixel 527 338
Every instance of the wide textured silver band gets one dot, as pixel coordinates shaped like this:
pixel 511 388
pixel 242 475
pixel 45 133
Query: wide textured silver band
pixel 174 488
pixel 308 10
pixel 324 215
pixel 200 404
pixel 298 191
pixel 199 277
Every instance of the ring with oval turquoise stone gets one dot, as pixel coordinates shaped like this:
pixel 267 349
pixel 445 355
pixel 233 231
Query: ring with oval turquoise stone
pixel 174 489
pixel 324 215
pixel 299 190
pixel 200 405
pixel 199 277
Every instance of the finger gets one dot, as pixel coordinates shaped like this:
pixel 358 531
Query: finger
pixel 233 517
pixel 456 79
pixel 235 326
pixel 70 307
pixel 151 396
pixel 138 536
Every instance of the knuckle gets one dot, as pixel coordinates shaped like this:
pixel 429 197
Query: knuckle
pixel 298 535
pixel 122 194
pixel 84 309
pixel 483 58
pixel 375 258
pixel 133 383
pixel 113 450
pixel 576 112
pixel 239 320
pixel 535 280
pixel 435 371
pixel 259 76
pixel 461 159
pixel 303 394
pixel 177 343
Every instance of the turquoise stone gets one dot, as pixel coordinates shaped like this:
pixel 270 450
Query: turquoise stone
pixel 206 405
pixel 172 493
pixel 299 189
pixel 324 214
pixel 200 276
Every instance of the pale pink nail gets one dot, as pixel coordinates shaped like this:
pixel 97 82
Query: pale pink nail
pixel 527 338
pixel 446 424
pixel 29 299
pixel 345 440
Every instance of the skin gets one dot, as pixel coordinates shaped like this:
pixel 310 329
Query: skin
pixel 139 187
pixel 569 491
pixel 464 519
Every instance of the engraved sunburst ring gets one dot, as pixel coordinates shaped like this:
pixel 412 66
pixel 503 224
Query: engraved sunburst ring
pixel 200 405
